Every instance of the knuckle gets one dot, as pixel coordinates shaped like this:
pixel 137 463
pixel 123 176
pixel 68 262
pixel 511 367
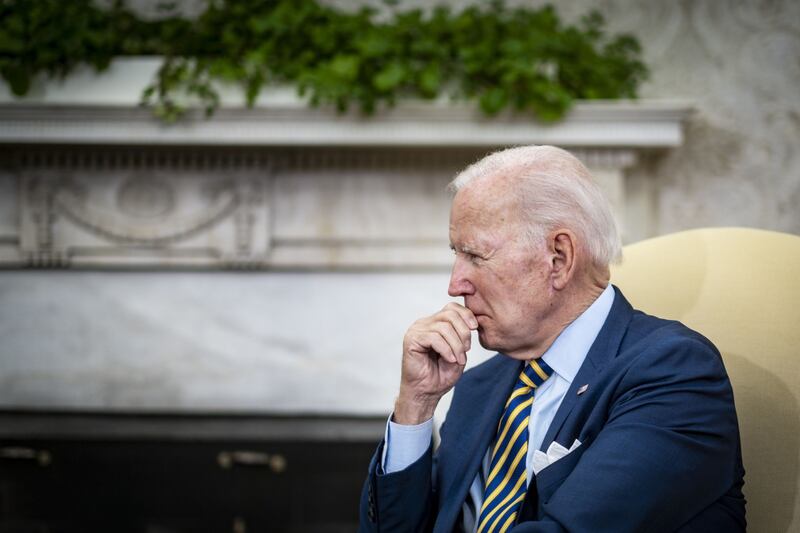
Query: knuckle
pixel 453 317
pixel 445 325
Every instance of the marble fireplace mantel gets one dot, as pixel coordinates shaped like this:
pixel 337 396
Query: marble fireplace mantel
pixel 286 121
pixel 306 241
pixel 102 184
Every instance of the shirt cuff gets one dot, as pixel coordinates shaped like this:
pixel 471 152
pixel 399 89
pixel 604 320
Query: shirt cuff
pixel 404 445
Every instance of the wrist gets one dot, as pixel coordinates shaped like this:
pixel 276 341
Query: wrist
pixel 411 410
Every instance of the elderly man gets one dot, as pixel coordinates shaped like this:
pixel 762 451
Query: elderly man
pixel 592 416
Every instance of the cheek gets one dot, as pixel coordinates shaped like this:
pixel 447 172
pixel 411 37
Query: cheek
pixel 522 303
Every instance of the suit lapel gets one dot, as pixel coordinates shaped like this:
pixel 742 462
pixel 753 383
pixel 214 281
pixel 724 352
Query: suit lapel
pixel 474 423
pixel 604 348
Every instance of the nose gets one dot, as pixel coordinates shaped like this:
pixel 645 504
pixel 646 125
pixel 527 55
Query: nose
pixel 460 285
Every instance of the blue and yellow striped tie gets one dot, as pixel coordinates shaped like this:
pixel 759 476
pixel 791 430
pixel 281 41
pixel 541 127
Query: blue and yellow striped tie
pixel 505 486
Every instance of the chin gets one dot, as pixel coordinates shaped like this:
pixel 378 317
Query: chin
pixel 494 344
pixel 488 342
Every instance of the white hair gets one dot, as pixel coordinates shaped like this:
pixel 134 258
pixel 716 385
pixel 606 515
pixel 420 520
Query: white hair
pixel 554 189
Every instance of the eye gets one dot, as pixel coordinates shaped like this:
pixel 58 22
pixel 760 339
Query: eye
pixel 471 257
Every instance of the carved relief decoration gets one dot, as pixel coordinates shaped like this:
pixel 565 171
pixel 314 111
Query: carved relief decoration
pixel 144 213
pixel 282 208
pixel 145 197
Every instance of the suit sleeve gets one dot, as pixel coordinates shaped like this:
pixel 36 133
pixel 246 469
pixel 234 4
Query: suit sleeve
pixel 663 455
pixel 398 502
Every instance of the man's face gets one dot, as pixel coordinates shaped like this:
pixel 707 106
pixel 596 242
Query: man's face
pixel 502 277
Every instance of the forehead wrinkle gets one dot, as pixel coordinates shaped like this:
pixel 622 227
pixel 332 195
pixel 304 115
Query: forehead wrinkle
pixel 480 240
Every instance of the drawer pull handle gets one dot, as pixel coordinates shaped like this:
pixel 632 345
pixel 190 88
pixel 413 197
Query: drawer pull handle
pixel 275 462
pixel 42 457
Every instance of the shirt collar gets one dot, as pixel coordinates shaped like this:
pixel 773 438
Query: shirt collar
pixel 565 356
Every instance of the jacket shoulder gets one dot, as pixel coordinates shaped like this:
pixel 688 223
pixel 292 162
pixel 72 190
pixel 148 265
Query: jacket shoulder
pixel 647 330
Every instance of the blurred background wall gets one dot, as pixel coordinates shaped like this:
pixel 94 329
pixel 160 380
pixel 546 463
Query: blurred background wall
pixel 738 62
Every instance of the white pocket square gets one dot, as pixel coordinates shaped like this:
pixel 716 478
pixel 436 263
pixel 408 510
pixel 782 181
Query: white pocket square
pixel 554 453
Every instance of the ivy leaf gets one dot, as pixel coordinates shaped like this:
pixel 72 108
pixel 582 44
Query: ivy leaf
pixel 18 79
pixel 253 88
pixel 374 44
pixel 430 80
pixel 262 24
pixel 390 77
pixel 493 100
pixel 9 45
pixel 345 67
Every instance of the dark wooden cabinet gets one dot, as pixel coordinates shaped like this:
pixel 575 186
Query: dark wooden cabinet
pixel 177 484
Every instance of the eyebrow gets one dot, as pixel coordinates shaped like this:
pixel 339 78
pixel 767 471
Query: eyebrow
pixel 467 249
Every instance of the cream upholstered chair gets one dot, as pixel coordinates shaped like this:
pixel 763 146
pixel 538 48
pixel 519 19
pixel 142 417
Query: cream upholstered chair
pixel 741 289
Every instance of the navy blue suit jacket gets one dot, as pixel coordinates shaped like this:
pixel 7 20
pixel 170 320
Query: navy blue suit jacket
pixel 660 443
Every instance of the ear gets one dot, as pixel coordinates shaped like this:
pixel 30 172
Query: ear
pixel 563 245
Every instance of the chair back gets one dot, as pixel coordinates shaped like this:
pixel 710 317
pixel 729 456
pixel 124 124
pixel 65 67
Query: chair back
pixel 741 289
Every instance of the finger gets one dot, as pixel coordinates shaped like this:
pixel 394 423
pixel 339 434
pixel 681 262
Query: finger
pixel 439 345
pixel 467 315
pixel 451 336
pixel 459 324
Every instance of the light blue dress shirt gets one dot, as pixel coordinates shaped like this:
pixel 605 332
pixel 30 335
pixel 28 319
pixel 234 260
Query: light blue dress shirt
pixel 406 444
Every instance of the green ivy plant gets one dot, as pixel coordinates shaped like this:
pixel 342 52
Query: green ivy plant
pixel 503 58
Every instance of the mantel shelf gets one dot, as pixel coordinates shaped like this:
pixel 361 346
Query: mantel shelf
pixel 610 124
pixel 89 108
